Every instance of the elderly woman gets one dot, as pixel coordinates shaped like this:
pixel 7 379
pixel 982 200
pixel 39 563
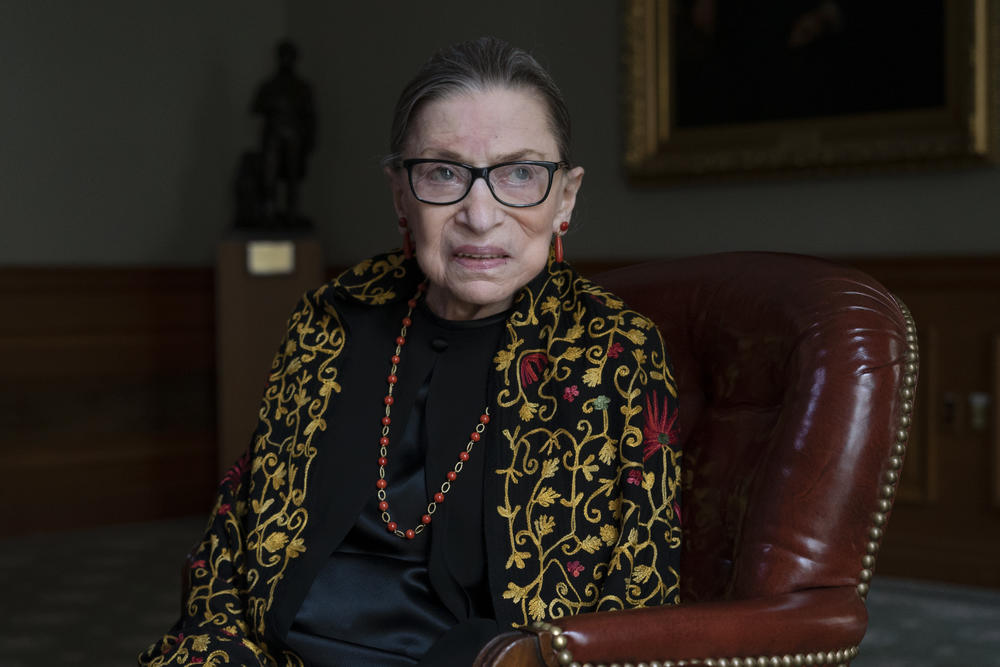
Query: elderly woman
pixel 456 439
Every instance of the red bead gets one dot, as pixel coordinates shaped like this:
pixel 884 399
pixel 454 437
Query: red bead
pixel 392 379
pixel 422 287
pixel 563 226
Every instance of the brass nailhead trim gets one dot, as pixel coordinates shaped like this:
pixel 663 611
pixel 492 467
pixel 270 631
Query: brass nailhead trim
pixel 565 657
pixel 559 642
pixel 895 463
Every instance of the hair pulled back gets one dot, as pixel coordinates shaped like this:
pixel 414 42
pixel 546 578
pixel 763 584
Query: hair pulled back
pixel 477 66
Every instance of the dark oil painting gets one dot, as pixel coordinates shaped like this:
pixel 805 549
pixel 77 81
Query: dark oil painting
pixel 755 61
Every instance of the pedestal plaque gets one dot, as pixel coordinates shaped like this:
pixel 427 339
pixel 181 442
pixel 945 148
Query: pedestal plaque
pixel 259 279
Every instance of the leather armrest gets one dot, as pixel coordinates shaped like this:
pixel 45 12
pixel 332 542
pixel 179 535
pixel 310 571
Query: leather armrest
pixel 828 623
pixel 519 648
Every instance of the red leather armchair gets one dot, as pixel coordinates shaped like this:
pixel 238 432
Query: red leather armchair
pixel 796 380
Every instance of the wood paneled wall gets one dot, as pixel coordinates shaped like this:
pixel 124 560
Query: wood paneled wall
pixel 107 398
pixel 946 521
pixel 108 407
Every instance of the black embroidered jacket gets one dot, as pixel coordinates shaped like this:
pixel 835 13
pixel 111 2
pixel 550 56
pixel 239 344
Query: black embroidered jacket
pixel 581 495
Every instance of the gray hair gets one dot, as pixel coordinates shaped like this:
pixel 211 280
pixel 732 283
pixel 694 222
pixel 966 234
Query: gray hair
pixel 476 66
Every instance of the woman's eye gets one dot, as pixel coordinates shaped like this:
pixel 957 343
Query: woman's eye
pixel 443 174
pixel 518 174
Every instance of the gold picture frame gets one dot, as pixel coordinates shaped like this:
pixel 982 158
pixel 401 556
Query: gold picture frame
pixel 995 434
pixel 961 130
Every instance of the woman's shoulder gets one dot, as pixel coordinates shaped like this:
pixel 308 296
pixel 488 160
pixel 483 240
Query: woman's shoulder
pixel 568 319
pixel 375 281
pixel 573 292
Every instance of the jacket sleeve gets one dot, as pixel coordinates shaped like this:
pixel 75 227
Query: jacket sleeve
pixel 217 624
pixel 645 564
pixel 212 627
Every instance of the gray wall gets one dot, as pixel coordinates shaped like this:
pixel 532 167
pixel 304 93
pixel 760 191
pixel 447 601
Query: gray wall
pixel 120 125
pixel 120 131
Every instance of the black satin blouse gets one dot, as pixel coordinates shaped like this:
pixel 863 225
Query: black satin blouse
pixel 383 600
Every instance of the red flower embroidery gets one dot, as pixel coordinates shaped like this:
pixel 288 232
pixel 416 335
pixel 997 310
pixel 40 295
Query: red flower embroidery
pixel 571 392
pixel 171 644
pixel 660 428
pixel 615 349
pixel 197 661
pixel 234 474
pixel 575 568
pixel 634 477
pixel 198 563
pixel 531 366
pixel 677 513
pixel 224 507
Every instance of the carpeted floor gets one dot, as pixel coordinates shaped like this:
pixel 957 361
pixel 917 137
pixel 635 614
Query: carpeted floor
pixel 98 597
pixel 920 623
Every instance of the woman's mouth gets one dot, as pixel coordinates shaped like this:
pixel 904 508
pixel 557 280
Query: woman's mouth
pixel 480 258
pixel 469 255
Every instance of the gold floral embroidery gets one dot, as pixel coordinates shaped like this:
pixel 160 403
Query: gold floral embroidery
pixel 595 539
pixel 588 498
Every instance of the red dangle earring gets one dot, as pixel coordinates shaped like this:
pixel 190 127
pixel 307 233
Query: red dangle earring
pixel 563 226
pixel 407 239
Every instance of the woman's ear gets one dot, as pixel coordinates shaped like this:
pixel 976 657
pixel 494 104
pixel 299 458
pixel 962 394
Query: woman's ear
pixel 398 187
pixel 570 186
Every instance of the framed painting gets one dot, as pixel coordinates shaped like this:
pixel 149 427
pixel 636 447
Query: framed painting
pixel 735 87
pixel 996 422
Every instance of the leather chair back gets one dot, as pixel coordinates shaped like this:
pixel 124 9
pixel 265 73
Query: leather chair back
pixel 792 420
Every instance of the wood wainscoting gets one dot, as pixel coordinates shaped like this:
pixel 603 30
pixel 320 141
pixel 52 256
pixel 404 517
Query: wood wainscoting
pixel 108 406
pixel 945 524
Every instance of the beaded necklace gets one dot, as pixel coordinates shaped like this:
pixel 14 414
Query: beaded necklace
pixel 383 452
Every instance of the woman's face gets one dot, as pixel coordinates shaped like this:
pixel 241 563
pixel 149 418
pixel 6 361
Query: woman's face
pixel 478 252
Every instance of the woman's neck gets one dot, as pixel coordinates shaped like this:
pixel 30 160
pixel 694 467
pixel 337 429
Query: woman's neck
pixel 447 308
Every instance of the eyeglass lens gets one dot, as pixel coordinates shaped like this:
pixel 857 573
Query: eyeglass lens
pixel 518 184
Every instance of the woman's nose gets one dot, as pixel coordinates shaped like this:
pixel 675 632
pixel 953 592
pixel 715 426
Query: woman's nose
pixel 480 210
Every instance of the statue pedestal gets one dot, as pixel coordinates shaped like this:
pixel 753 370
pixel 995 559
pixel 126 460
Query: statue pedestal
pixel 259 278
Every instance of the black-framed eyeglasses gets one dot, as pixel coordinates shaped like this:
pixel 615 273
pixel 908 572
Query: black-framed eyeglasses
pixel 520 183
